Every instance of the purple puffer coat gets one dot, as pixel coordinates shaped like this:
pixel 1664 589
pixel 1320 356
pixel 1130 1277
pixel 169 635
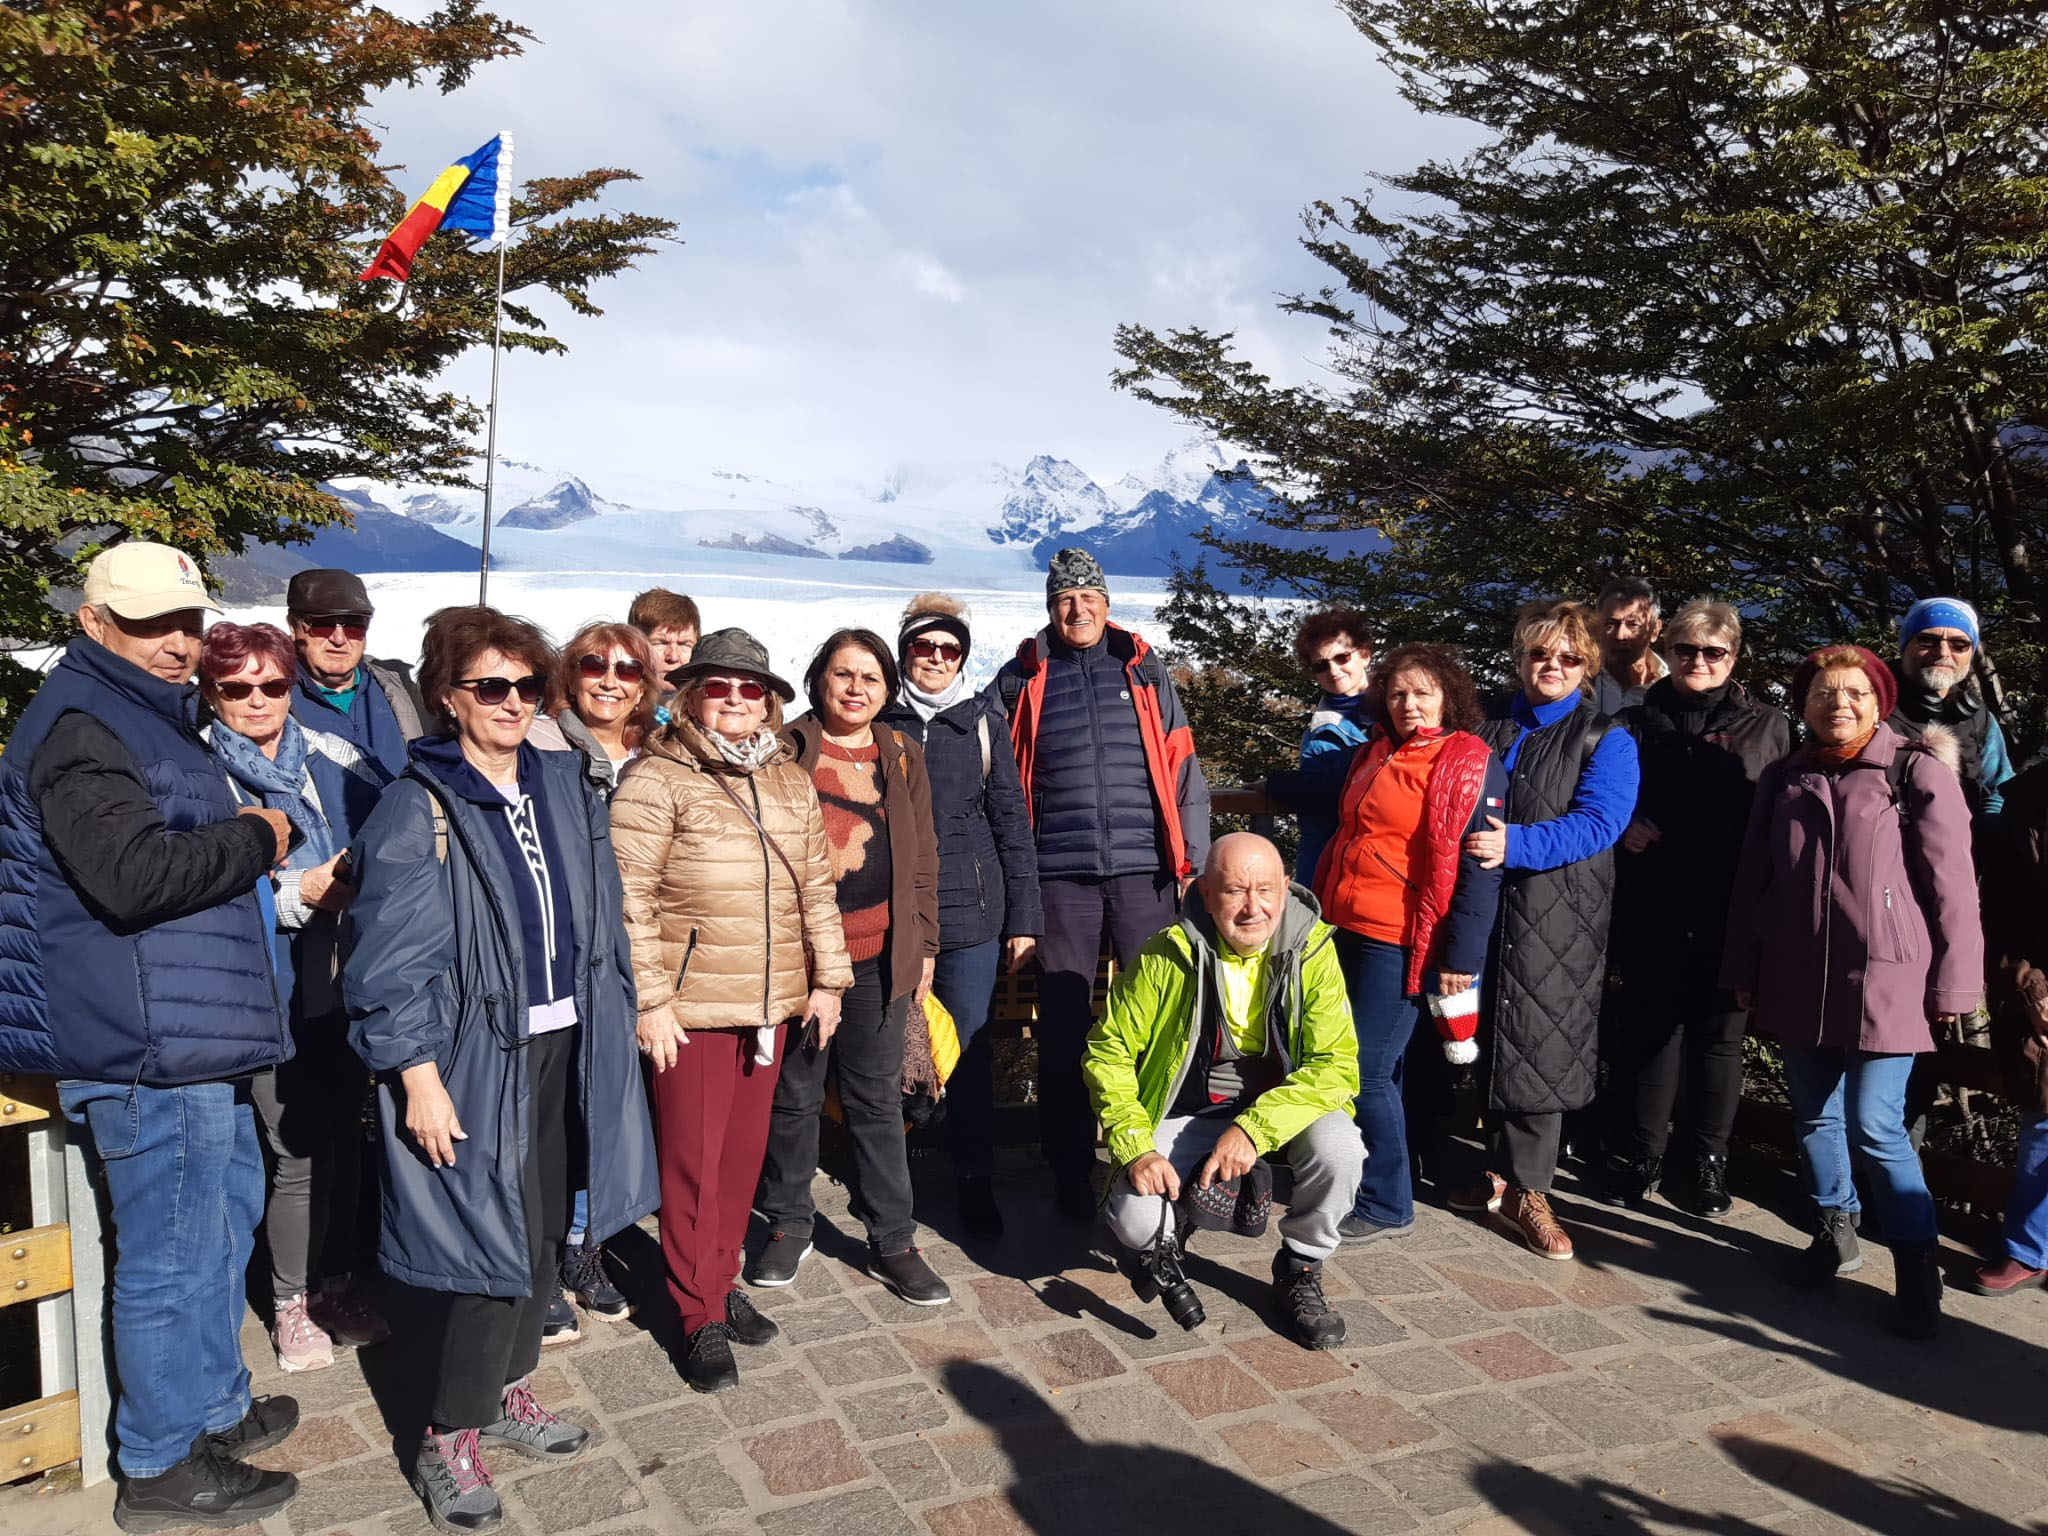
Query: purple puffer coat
pixel 1850 922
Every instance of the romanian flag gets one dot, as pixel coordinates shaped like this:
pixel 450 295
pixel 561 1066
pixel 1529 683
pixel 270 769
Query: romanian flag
pixel 473 195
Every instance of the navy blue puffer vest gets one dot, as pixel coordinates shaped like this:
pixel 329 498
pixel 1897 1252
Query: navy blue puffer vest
pixel 186 1001
pixel 1095 815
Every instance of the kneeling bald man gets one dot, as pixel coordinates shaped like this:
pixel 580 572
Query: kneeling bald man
pixel 1229 1039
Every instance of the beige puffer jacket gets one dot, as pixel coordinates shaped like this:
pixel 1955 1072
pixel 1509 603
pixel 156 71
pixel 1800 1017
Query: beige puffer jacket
pixel 718 929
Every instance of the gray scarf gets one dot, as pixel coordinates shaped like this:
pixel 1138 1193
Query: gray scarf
pixel 929 704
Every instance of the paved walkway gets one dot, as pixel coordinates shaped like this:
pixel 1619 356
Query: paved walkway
pixel 1663 1382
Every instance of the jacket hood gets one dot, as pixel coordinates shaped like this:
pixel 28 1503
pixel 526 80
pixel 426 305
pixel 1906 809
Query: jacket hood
pixel 178 703
pixel 1290 936
pixel 442 757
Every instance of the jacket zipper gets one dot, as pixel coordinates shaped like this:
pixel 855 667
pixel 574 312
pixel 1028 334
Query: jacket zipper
pixel 689 949
pixel 768 900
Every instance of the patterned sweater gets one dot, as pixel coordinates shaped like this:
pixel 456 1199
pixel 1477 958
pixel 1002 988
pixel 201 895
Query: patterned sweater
pixel 849 785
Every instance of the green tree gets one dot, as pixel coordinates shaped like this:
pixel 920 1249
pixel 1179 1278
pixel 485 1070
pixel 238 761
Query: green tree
pixel 1743 297
pixel 186 194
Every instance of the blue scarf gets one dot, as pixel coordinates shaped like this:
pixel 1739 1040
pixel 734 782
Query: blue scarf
pixel 279 784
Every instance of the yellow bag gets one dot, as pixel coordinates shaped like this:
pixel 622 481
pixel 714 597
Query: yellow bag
pixel 945 1039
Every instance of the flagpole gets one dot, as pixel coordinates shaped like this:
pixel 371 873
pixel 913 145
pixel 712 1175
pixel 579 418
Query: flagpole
pixel 483 575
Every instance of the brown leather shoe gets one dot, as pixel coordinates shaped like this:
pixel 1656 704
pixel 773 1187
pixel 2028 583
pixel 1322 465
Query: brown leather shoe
pixel 2005 1278
pixel 1484 1195
pixel 1530 1215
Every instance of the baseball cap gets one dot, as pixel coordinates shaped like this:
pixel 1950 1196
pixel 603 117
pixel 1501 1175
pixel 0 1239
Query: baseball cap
pixel 139 580
pixel 327 594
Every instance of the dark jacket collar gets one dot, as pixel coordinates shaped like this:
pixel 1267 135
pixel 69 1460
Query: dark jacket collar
pixel 177 703
pixel 442 757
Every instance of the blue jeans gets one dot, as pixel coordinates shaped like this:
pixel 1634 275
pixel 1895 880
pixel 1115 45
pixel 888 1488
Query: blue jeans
pixel 2026 1209
pixel 185 1178
pixel 579 1218
pixel 965 981
pixel 1839 1096
pixel 1383 1014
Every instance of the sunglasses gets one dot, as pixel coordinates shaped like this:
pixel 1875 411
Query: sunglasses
pixel 725 688
pixel 1566 659
pixel 945 650
pixel 1332 661
pixel 1714 655
pixel 276 688
pixel 495 690
pixel 1956 644
pixel 326 629
pixel 625 668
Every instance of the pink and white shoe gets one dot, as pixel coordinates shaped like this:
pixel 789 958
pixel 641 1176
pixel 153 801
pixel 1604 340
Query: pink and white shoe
pixel 302 1344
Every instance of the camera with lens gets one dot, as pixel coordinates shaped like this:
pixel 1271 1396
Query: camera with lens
pixel 1157 1275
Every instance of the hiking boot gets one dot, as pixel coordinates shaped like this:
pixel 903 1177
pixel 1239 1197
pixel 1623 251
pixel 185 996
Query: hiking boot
pixel 584 1277
pixel 301 1343
pixel 1916 1291
pixel 2008 1277
pixel 347 1316
pixel 531 1430
pixel 269 1421
pixel 748 1326
pixel 909 1276
pixel 709 1367
pixel 1833 1252
pixel 1363 1229
pixel 1073 1195
pixel 560 1326
pixel 775 1265
pixel 1484 1195
pixel 1528 1212
pixel 1631 1181
pixel 1708 1196
pixel 207 1488
pixel 974 1197
pixel 1298 1290
pixel 449 1476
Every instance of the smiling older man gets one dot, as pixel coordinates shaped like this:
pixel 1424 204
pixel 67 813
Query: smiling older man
pixel 1938 643
pixel 1229 1039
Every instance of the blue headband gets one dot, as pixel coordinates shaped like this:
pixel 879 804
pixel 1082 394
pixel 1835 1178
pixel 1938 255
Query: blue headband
pixel 1938 613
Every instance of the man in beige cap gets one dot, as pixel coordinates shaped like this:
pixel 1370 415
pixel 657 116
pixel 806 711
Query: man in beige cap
pixel 131 912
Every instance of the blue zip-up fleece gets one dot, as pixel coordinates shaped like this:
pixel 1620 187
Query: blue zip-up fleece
pixel 439 974
pixel 153 965
pixel 1600 810
pixel 1337 728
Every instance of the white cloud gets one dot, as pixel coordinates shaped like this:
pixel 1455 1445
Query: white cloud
pixel 912 225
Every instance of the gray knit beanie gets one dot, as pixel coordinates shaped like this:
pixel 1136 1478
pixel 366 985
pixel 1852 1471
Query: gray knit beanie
pixel 1074 570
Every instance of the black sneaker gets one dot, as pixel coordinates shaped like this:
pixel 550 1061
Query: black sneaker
pixel 909 1276
pixel 1632 1180
pixel 560 1327
pixel 1708 1196
pixel 207 1488
pixel 748 1326
pixel 584 1277
pixel 709 1367
pixel 1363 1229
pixel 975 1198
pixel 268 1422
pixel 1298 1287
pixel 1916 1299
pixel 1074 1195
pixel 1833 1252
pixel 775 1265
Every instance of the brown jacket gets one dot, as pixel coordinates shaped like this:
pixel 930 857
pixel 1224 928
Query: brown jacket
pixel 913 847
pixel 717 926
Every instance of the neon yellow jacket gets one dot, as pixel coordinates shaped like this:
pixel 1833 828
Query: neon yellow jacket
pixel 1140 1050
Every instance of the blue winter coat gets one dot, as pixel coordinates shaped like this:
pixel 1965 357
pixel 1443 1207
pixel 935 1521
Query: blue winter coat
pixel 1336 730
pixel 988 866
pixel 436 976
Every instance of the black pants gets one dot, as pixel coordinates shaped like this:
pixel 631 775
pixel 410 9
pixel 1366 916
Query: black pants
pixel 1522 1148
pixel 476 1346
pixel 1677 1035
pixel 867 1051
pixel 311 1112
pixel 1129 909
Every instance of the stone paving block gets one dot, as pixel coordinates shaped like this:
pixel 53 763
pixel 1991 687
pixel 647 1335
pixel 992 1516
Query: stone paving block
pixel 628 1376
pixel 1445 1317
pixel 1509 1357
pixel 1503 1424
pixel 1378 1270
pixel 1871 1424
pixel 990 1515
pixel 851 1362
pixel 1675 1328
pixel 866 1512
pixel 1435 1482
pixel 1700 1485
pixel 1367 1327
pixel 551 1383
pixel 1130 1414
pixel 984 1458
pixel 348 1495
pixel 1569 1333
pixel 1974 1482
pixel 1352 1504
pixel 816 1280
pixel 1155 1335
pixel 1496 1292
pixel 1273 1450
pixel 1597 1287
pixel 1370 1424
pixel 1210 1385
pixel 583 1493
pixel 1599 1414
pixel 1422 1371
pixel 833 1319
pixel 702 1490
pixel 1757 1374
pixel 1793 1457
pixel 1006 1303
pixel 763 1399
pixel 958 1339
pixel 914 1469
pixel 1664 1384
pixel 994 1394
pixel 892 1310
pixel 672 1433
pixel 805 1458
pixel 318 1442
pixel 1286 1364
pixel 1436 1231
pixel 897 1410
pixel 1070 1358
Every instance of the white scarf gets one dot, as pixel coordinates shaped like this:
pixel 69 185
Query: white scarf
pixel 929 704
pixel 750 752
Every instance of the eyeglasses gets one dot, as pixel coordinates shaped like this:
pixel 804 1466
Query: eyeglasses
pixel 1844 695
pixel 326 629
pixel 1958 645
pixel 276 688
pixel 1330 662
pixel 1713 655
pixel 624 668
pixel 494 691
pixel 944 650
pixel 725 688
pixel 1566 659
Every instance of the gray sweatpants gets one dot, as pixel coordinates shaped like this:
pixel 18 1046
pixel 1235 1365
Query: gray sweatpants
pixel 1327 1159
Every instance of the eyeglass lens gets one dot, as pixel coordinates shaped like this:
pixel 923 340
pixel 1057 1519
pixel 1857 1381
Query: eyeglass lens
pixel 625 668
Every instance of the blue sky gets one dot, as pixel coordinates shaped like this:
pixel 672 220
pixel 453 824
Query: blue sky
pixel 912 225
